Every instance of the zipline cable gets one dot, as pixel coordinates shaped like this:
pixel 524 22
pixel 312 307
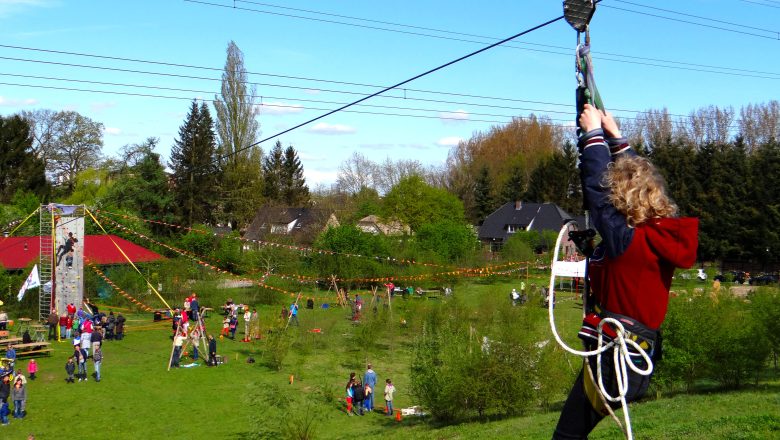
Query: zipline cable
pixel 395 86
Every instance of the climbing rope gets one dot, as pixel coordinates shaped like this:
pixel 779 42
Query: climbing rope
pixel 621 356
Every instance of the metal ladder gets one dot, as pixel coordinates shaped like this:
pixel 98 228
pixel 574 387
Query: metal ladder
pixel 45 263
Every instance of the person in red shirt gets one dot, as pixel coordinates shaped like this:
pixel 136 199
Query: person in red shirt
pixel 642 242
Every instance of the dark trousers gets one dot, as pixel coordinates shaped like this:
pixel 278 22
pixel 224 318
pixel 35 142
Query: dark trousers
pixel 578 418
pixel 52 331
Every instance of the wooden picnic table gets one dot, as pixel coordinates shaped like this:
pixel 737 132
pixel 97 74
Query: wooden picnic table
pixel 5 342
pixel 32 348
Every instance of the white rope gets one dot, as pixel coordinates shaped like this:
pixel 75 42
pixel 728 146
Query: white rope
pixel 621 356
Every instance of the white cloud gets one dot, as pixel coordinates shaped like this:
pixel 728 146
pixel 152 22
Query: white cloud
pixel 113 131
pixel 331 129
pixel 10 102
pixel 100 106
pixel 449 141
pixel 455 117
pixel 278 108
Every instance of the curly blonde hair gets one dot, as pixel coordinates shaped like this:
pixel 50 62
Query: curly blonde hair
pixel 638 190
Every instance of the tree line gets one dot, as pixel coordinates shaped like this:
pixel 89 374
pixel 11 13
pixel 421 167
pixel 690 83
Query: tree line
pixel 721 165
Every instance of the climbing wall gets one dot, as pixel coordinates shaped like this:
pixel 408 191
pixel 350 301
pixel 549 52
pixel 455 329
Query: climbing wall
pixel 68 266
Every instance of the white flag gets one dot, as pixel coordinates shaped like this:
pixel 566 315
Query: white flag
pixel 32 281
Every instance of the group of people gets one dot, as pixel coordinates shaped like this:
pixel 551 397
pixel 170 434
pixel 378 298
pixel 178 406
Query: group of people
pixel 519 297
pixel 15 388
pixel 230 321
pixel 360 393
pixel 74 323
pixel 185 333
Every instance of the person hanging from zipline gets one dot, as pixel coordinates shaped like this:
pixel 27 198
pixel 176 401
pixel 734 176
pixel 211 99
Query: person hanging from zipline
pixel 630 271
pixel 66 248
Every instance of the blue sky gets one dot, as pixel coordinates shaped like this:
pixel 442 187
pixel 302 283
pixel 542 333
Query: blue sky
pixel 378 43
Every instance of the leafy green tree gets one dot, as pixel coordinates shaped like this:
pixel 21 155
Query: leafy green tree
pixel 194 168
pixel 484 204
pixel 448 241
pixel 239 160
pixel 518 248
pixel 294 189
pixel 92 187
pixel 367 202
pixel 413 202
pixel 349 239
pixel 19 168
pixel 144 188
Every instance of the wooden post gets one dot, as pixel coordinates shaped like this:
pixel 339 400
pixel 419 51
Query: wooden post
pixel 373 297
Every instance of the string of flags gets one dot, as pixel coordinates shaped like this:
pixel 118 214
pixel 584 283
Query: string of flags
pixel 119 289
pixel 198 259
pixel 305 249
pixel 493 270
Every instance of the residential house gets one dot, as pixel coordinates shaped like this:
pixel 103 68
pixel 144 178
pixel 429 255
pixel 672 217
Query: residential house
pixel 516 216
pixel 302 225
pixel 373 225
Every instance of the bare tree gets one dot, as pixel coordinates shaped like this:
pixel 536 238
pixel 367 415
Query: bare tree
pixel 43 124
pixel 357 172
pixel 760 123
pixel 77 145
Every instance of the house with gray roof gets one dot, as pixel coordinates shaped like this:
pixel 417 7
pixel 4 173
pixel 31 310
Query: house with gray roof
pixel 517 216
pixel 302 225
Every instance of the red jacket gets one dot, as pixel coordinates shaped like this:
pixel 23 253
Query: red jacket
pixel 637 282
pixel 631 269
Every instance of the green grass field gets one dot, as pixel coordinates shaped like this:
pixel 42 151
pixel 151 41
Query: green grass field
pixel 139 399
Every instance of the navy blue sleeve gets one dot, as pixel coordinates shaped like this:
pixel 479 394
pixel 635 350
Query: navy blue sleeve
pixel 595 156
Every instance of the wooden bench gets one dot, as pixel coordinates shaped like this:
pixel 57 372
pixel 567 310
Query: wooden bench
pixel 32 348
pixel 4 343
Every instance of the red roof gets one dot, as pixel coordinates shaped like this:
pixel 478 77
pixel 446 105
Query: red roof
pixel 98 249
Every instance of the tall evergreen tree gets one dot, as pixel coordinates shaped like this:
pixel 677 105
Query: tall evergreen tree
pixel 20 169
pixel 483 199
pixel 194 167
pixel 240 162
pixel 514 188
pixel 273 168
pixel 294 189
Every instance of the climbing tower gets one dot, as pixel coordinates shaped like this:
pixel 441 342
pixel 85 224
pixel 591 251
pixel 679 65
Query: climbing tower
pixel 62 257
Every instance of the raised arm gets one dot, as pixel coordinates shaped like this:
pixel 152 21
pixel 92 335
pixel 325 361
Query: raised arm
pixel 595 155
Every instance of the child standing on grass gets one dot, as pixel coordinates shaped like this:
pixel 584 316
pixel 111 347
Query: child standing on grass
pixel 389 391
pixel 358 395
pixel 350 382
pixel 32 368
pixel 233 325
pixel 19 395
pixel 70 368
pixel 225 325
pixel 4 412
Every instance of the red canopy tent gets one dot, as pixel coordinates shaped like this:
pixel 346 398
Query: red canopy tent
pixel 19 252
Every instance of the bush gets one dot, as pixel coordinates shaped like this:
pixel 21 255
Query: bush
pixel 705 338
pixel 457 374
pixel 277 346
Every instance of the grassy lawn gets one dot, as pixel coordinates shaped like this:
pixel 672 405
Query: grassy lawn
pixel 139 399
